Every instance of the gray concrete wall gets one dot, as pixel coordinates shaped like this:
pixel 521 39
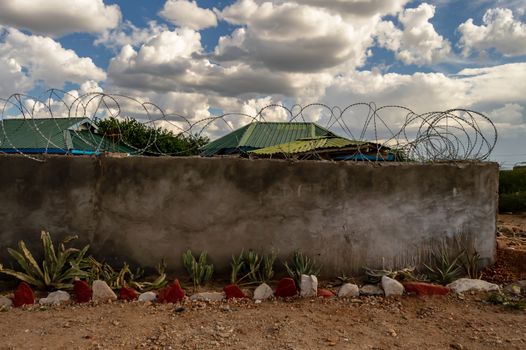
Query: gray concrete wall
pixel 346 215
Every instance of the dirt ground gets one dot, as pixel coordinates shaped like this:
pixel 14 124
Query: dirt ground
pixel 451 322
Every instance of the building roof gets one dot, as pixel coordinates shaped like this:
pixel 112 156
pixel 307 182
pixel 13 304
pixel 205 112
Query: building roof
pixel 262 134
pixel 308 145
pixel 54 135
pixel 327 147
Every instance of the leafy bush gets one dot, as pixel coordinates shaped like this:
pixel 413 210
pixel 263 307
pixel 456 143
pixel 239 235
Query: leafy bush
pixel 512 202
pixel 200 272
pixel 301 265
pixel 252 267
pixel 512 181
pixel 150 140
pixel 512 190
pixel 58 269
pixel 501 299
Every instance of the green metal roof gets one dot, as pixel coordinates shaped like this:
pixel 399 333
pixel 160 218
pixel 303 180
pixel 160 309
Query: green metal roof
pixel 54 133
pixel 263 134
pixel 307 145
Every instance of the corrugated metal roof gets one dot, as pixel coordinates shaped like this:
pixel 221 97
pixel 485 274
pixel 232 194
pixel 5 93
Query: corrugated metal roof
pixel 307 145
pixel 36 133
pixel 263 134
pixel 53 134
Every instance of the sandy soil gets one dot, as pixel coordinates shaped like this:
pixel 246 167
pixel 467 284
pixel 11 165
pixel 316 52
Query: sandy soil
pixel 365 323
pixel 456 322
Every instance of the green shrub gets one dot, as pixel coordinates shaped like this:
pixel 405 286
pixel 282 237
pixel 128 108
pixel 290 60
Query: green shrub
pixel 512 190
pixel 512 181
pixel 501 299
pixel 512 202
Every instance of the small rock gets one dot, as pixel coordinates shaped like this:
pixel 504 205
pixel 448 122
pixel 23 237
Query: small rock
pixel 55 298
pixel 392 287
pixel 179 309
pixel 371 289
pixel 233 291
pixel 325 293
pixel 127 293
pixel 82 291
pixel 425 289
pixel 286 288
pixel 102 292
pixel 23 295
pixel 5 302
pixel 308 286
pixel 208 296
pixel 148 296
pixel 466 284
pixel 348 290
pixel 456 346
pixel 263 292
pixel 171 294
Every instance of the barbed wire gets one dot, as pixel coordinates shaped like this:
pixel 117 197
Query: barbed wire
pixel 450 135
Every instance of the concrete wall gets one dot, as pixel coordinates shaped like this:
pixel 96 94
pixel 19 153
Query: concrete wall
pixel 346 215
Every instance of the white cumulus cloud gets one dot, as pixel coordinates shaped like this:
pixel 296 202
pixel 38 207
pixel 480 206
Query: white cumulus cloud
pixel 186 13
pixel 59 17
pixel 129 34
pixel 41 59
pixel 499 30
pixel 418 42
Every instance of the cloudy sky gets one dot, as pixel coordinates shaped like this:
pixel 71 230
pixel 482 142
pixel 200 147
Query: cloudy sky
pixel 197 58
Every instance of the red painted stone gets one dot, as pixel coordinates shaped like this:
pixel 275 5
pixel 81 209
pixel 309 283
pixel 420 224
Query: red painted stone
pixel 422 288
pixel 171 294
pixel 325 293
pixel 23 295
pixel 286 288
pixel 233 291
pixel 127 293
pixel 82 291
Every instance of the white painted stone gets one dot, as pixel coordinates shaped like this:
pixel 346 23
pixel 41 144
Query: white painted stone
pixel 392 287
pixel 148 296
pixel 309 286
pixel 263 292
pixel 371 289
pixel 348 290
pixel 466 284
pixel 55 298
pixel 102 292
pixel 208 296
pixel 5 302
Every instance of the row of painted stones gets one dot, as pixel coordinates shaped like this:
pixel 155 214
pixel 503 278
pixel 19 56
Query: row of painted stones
pixel 286 287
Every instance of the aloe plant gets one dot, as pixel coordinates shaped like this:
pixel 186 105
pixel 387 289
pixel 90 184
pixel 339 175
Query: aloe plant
pixel 444 268
pixel 200 272
pixel 301 265
pixel 124 277
pixel 159 282
pixel 58 269
pixel 252 268
pixel 405 274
